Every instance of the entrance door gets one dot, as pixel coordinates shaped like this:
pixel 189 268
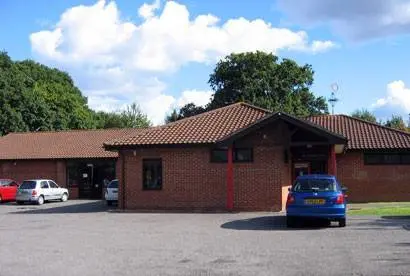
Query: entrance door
pixel 301 169
pixel 85 187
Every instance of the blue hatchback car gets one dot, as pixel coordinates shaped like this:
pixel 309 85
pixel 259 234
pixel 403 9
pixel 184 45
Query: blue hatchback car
pixel 316 196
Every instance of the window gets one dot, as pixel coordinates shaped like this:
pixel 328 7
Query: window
pixel 314 185
pixel 28 185
pixel 239 155
pixel 113 184
pixel 152 174
pixel 243 155
pixel 5 182
pixel 44 185
pixel 52 184
pixel 386 158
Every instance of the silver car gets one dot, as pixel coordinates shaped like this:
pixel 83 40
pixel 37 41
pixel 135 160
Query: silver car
pixel 111 193
pixel 39 191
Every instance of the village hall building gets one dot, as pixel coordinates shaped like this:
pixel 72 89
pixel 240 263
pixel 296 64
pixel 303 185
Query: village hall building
pixel 239 157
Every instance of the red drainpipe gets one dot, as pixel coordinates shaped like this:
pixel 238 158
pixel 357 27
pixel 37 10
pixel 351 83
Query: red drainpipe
pixel 229 181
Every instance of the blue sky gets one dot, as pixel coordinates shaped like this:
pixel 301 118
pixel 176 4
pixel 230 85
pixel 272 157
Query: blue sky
pixel 160 53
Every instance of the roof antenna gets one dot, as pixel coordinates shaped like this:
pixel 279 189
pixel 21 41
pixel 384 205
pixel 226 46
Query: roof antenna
pixel 333 100
pixel 409 121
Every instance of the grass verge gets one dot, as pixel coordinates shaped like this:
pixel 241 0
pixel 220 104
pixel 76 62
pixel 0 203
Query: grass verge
pixel 382 211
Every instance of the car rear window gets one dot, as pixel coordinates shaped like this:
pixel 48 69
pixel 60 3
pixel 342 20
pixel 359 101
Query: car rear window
pixel 314 185
pixel 28 185
pixel 4 182
pixel 113 184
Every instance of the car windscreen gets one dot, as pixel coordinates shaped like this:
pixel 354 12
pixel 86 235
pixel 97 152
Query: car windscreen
pixel 26 185
pixel 314 185
pixel 4 182
pixel 113 184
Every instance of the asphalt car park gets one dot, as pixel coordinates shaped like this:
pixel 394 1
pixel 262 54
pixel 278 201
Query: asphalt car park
pixel 88 238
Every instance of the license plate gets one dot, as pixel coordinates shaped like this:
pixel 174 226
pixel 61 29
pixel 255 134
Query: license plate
pixel 315 201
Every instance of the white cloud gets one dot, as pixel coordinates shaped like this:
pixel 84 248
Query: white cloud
pixel 147 10
pixel 97 35
pixel 356 20
pixel 397 100
pixel 117 61
pixel 200 98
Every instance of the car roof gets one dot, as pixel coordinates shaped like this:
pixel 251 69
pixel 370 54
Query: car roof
pixel 40 179
pixel 316 176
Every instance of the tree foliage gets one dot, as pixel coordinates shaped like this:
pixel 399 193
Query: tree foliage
pixel 396 122
pixel 364 114
pixel 35 97
pixel 187 110
pixel 262 79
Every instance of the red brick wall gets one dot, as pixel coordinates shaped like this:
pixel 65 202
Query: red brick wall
pixel 191 181
pixel 373 182
pixel 31 169
pixel 61 173
pixel 258 185
pixel 118 171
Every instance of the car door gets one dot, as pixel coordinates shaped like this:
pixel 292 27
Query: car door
pixel 45 190
pixel 54 190
pixel 7 190
pixel 4 191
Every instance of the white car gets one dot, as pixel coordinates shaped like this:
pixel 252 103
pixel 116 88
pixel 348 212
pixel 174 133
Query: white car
pixel 111 193
pixel 39 191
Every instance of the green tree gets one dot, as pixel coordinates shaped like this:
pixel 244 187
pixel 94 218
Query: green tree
pixel 396 122
pixel 262 79
pixel 187 110
pixel 36 97
pixel 174 116
pixel 131 117
pixel 364 114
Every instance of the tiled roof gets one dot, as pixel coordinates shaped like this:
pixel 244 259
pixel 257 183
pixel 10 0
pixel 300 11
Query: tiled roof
pixel 205 128
pixel 216 125
pixel 60 144
pixel 363 134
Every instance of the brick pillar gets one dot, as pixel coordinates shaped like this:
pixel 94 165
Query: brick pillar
pixel 229 181
pixel 331 167
pixel 119 173
pixel 61 173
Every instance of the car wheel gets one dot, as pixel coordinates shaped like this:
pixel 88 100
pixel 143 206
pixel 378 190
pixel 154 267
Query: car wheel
pixel 64 197
pixel 342 222
pixel 1 199
pixel 290 222
pixel 109 202
pixel 40 200
pixel 20 202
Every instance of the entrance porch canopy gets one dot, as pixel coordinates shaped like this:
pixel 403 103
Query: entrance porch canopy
pixel 299 133
pixel 296 125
